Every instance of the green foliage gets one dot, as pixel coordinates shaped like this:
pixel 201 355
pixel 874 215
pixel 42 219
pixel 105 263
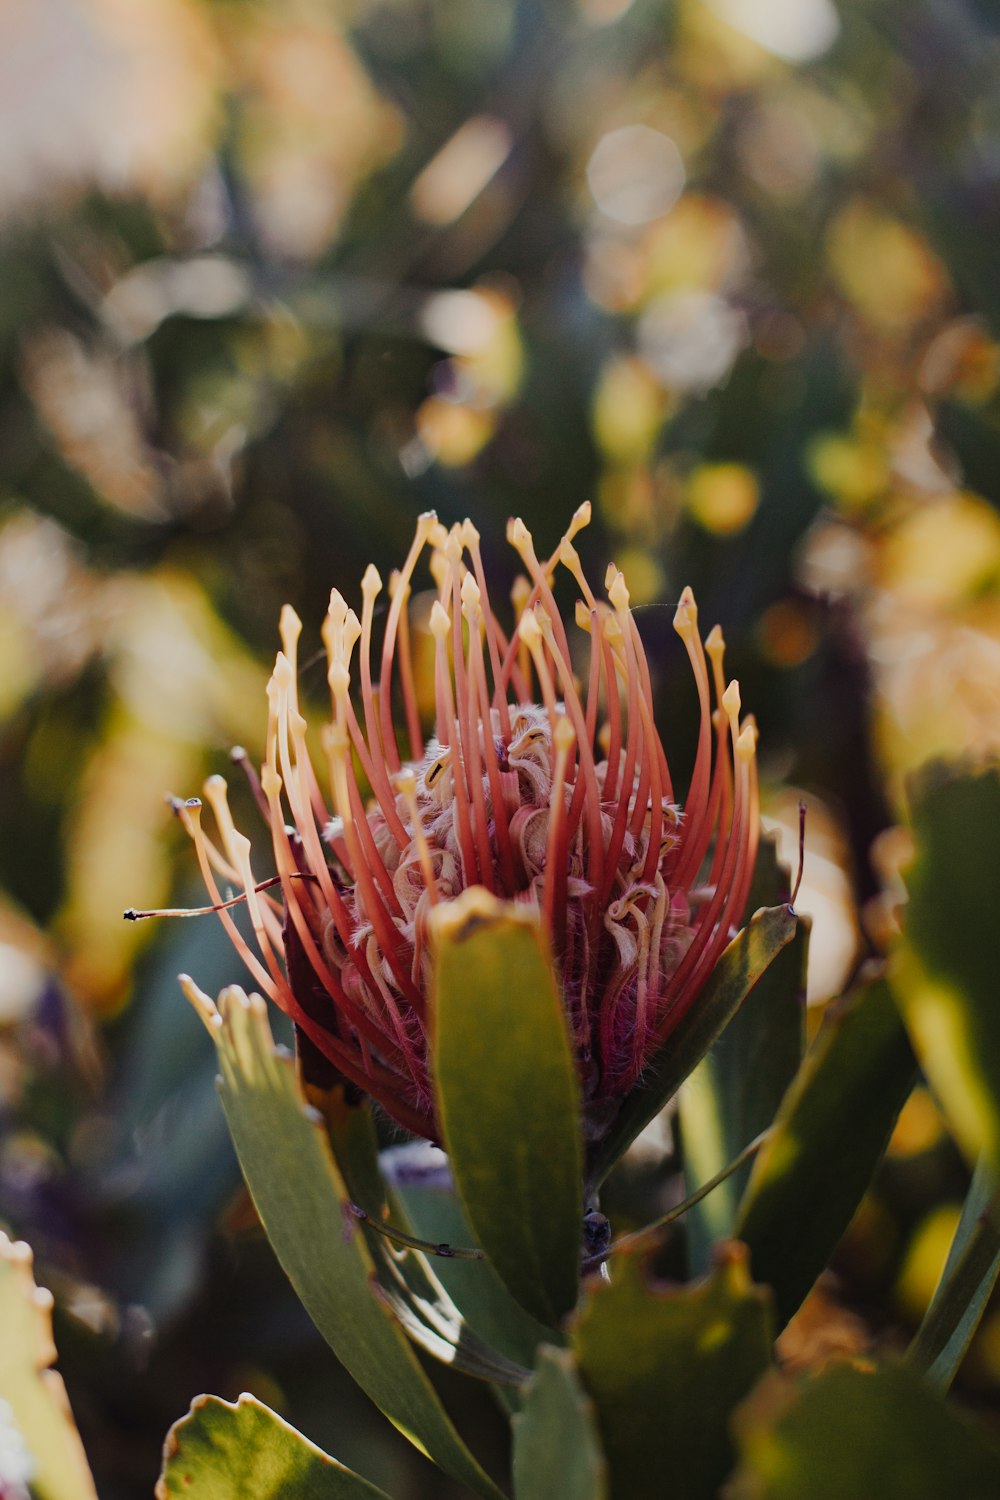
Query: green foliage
pixel 509 1101
pixel 665 1366
pixel 556 1448
pixel 829 1136
pixel 735 1090
pixel 945 975
pixel 411 1288
pixel 299 1195
pixel 968 1279
pixel 488 1309
pixel 226 1450
pixel 33 1393
pixel 859 1433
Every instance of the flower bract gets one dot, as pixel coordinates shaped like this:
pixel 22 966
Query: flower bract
pixel 545 781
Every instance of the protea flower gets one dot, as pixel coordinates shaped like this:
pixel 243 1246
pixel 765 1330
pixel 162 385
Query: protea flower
pixel 545 793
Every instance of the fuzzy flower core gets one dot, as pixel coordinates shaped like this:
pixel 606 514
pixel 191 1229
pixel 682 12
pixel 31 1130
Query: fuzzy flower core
pixel 545 792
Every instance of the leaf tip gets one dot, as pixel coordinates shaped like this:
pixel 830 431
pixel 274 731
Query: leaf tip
pixel 203 1004
pixel 473 910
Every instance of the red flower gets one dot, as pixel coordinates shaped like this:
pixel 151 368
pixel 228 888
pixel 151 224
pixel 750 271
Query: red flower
pixel 545 794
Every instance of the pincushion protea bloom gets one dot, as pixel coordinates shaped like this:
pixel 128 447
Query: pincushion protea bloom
pixel 542 792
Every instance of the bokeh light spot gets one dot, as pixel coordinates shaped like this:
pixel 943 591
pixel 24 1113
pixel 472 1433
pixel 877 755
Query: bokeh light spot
pixel 635 174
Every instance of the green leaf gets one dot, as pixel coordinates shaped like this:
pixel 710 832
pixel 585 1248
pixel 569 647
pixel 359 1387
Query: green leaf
pixel 556 1449
pixel 829 1136
pixel 945 972
pixel 508 1098
pixel 225 1450
pixel 436 1215
pixel 741 966
pixel 418 1288
pixel 38 1409
pixel 665 1366
pixel 734 1092
pixel 968 1279
pixel 299 1195
pixel 850 1433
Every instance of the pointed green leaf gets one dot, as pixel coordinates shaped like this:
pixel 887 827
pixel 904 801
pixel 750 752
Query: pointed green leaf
pixel 734 1092
pixel 945 973
pixel 299 1195
pixel 665 1367
pixel 967 1281
pixel 225 1450
pixel 741 966
pixel 851 1433
pixel 508 1098
pixel 829 1136
pixel 35 1420
pixel 556 1448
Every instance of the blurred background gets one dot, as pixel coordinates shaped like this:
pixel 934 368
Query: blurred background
pixel 277 277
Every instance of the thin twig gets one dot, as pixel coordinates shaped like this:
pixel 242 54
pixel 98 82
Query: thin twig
pixel 410 1241
pixel 649 1231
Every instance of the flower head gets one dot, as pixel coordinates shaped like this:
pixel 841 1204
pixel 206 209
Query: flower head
pixel 543 791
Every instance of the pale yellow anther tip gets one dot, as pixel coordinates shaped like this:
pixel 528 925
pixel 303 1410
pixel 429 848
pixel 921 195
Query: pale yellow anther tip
pixel 613 633
pixel 528 628
pixel 731 699
pixel 289 622
pixel 517 533
pixel 715 643
pixel 282 673
pixel 440 622
pixel 453 545
pixel 339 678
pixel 582 616
pixel 404 781
pixel 618 591
pixel 747 743
pixel 581 517
pixel 470 536
pixel 215 784
pixel 683 624
pixel 545 624
pixel 371 582
pixel 270 781
pixel 520 591
pixel 471 596
pixel 565 735
pixel 240 845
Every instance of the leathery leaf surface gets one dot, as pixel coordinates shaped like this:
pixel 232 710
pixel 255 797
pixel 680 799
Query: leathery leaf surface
pixel 299 1194
pixel 508 1098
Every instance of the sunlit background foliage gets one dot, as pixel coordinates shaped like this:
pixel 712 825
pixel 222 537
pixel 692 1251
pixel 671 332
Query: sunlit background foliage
pixel 276 277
